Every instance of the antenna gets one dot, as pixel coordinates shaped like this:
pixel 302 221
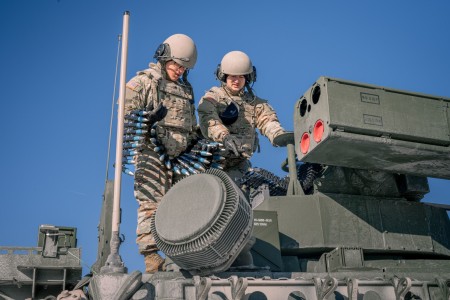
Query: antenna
pixel 114 262
pixel 113 282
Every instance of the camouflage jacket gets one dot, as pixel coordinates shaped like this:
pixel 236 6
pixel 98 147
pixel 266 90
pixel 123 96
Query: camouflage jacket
pixel 254 112
pixel 147 89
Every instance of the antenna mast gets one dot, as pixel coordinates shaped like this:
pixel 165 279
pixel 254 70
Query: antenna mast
pixel 114 262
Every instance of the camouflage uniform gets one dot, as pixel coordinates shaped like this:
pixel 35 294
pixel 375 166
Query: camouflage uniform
pixel 254 112
pixel 176 131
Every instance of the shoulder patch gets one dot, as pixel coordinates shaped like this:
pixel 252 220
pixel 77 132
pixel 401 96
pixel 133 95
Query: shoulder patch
pixel 211 100
pixel 134 85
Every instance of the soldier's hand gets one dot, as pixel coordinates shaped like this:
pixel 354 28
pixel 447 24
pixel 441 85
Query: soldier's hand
pixel 231 144
pixel 157 114
pixel 192 143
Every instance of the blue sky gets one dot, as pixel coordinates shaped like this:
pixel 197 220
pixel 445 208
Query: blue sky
pixel 57 74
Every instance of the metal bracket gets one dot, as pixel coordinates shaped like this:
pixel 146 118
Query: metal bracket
pixel 402 287
pixel 51 235
pixel 352 288
pixel 325 289
pixel 238 287
pixel 202 287
pixel 294 187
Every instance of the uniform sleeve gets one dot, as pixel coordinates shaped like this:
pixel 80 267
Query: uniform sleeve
pixel 137 93
pixel 267 121
pixel 194 134
pixel 210 124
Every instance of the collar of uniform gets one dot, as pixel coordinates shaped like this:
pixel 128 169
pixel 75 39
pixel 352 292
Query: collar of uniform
pixel 230 93
pixel 159 67
pixel 156 66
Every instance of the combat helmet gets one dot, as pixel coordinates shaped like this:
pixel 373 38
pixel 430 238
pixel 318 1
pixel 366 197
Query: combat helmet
pixel 179 48
pixel 236 63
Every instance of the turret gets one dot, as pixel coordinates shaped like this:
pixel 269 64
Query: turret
pixel 350 124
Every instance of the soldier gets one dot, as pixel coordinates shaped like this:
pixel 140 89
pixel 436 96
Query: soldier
pixel 231 113
pixel 164 91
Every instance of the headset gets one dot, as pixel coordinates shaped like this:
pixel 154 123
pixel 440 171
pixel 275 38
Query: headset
pixel 162 53
pixel 250 78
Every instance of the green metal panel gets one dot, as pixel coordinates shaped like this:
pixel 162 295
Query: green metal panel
pixel 105 227
pixel 318 222
pixel 299 221
pixel 371 127
pixel 378 110
pixel 266 250
pixel 67 237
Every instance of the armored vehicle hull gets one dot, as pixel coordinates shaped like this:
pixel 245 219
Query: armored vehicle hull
pixel 347 223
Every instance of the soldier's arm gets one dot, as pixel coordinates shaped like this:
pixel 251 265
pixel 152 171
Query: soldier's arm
pixel 136 93
pixel 210 123
pixel 267 121
pixel 195 134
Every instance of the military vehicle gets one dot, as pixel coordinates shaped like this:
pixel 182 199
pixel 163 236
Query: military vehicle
pixel 347 222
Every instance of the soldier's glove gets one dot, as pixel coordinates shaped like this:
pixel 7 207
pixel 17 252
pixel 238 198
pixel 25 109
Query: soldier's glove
pixel 231 144
pixel 157 114
pixel 191 145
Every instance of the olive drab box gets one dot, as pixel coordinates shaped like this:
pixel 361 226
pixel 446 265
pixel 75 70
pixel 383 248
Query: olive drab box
pixel 55 240
pixel 349 124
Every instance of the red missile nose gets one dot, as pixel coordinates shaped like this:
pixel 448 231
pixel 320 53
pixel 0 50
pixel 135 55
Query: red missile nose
pixel 318 131
pixel 304 143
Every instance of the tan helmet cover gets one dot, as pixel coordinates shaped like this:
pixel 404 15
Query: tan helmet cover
pixel 236 63
pixel 182 50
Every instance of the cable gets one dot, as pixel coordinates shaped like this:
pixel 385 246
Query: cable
pixel 119 38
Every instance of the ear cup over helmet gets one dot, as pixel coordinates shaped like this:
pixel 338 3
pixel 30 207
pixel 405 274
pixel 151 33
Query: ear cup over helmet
pixel 162 53
pixel 219 75
pixel 252 76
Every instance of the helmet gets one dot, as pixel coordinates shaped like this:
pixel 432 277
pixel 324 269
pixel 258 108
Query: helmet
pixel 179 48
pixel 236 63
